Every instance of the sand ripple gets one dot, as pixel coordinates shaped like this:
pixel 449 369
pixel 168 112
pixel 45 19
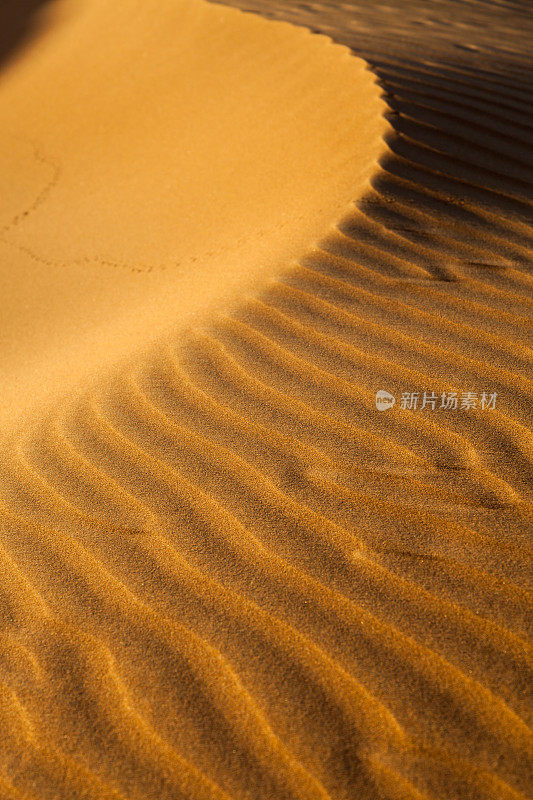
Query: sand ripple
pixel 226 575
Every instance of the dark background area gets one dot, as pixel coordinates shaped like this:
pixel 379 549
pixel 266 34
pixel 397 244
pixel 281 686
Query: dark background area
pixel 19 21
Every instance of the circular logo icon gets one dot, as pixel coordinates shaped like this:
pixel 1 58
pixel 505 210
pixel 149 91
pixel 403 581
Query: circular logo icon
pixel 384 400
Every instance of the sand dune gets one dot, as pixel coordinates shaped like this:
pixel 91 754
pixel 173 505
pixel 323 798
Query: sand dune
pixel 224 573
pixel 160 159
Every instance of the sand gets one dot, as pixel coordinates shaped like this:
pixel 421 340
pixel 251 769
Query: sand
pixel 225 574
pixel 159 159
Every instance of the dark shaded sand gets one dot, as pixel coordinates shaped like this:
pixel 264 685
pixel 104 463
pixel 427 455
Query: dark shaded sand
pixel 224 573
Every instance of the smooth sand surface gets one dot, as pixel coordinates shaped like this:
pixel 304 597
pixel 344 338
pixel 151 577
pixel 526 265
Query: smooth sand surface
pixel 223 573
pixel 156 160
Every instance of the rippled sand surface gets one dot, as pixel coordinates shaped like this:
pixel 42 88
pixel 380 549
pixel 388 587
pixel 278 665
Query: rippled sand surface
pixel 224 573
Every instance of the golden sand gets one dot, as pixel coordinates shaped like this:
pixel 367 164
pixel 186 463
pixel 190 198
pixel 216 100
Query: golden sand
pixel 158 159
pixel 224 574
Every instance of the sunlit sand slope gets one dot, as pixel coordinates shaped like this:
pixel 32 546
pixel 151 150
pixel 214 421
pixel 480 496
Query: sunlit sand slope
pixel 156 159
pixel 224 573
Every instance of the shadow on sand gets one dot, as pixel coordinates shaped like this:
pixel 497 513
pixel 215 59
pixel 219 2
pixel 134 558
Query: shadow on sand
pixel 19 21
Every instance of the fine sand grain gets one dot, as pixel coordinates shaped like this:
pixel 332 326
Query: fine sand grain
pixel 224 574
pixel 158 159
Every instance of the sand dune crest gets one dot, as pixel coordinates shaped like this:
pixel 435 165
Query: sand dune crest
pixel 164 158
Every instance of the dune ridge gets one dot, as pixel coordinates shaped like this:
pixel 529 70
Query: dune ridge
pixel 160 160
pixel 224 573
